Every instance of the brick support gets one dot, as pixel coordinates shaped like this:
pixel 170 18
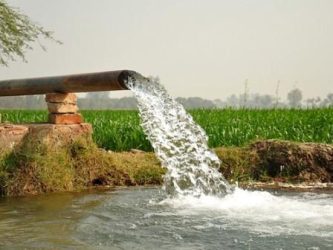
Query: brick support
pixel 63 109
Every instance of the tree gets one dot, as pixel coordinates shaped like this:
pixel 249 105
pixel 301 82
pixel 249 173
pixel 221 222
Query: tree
pixel 313 102
pixel 233 101
pixel 17 32
pixel 294 98
pixel 266 101
pixel 195 102
pixel 98 95
pixel 330 98
pixel 328 102
pixel 98 99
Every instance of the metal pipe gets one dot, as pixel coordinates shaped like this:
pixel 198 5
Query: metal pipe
pixel 102 81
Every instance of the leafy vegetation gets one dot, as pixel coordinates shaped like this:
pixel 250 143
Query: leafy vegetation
pixel 120 130
pixel 17 32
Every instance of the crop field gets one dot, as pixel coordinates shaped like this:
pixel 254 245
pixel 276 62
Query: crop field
pixel 120 130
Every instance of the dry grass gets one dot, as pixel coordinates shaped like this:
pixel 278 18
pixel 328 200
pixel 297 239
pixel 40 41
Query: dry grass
pixel 37 166
pixel 143 168
pixel 238 164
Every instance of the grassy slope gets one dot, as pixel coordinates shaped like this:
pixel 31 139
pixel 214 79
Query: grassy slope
pixel 34 168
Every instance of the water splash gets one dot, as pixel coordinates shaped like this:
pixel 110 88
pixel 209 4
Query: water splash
pixel 179 143
pixel 259 212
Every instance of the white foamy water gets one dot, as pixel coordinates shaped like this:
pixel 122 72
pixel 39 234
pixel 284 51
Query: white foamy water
pixel 180 144
pixel 260 212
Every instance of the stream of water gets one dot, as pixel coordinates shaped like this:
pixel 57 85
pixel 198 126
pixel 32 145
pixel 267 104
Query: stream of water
pixel 179 143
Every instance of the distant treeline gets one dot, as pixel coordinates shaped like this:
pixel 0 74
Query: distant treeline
pixel 102 100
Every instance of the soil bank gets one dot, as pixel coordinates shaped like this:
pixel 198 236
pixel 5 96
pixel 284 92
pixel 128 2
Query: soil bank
pixel 41 158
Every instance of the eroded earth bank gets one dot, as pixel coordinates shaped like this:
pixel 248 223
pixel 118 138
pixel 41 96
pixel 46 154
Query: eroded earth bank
pixel 41 158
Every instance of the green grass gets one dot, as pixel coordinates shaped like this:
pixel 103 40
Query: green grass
pixel 120 130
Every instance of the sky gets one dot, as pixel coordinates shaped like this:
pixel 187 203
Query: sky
pixel 205 48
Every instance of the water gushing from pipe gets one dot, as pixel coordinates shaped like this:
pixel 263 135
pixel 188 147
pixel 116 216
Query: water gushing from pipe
pixel 179 143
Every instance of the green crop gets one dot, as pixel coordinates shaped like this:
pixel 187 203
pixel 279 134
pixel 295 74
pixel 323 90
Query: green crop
pixel 117 130
pixel 120 130
pixel 229 127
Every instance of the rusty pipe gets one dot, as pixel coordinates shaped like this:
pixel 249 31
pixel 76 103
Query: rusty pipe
pixel 102 81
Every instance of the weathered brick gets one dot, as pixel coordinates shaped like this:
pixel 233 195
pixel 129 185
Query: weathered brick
pixel 61 108
pixel 67 98
pixel 65 118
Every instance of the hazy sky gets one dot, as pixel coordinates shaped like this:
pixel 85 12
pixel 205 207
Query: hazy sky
pixel 203 48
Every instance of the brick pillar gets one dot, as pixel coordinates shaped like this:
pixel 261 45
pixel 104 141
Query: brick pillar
pixel 63 108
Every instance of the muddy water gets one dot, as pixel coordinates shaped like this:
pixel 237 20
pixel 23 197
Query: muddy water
pixel 144 218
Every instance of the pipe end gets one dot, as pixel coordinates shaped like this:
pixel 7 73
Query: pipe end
pixel 127 75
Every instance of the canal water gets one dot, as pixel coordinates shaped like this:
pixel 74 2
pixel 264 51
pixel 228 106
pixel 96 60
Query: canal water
pixel 146 218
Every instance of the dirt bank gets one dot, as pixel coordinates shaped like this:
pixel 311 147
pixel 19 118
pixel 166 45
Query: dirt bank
pixel 278 161
pixel 43 158
pixel 67 161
